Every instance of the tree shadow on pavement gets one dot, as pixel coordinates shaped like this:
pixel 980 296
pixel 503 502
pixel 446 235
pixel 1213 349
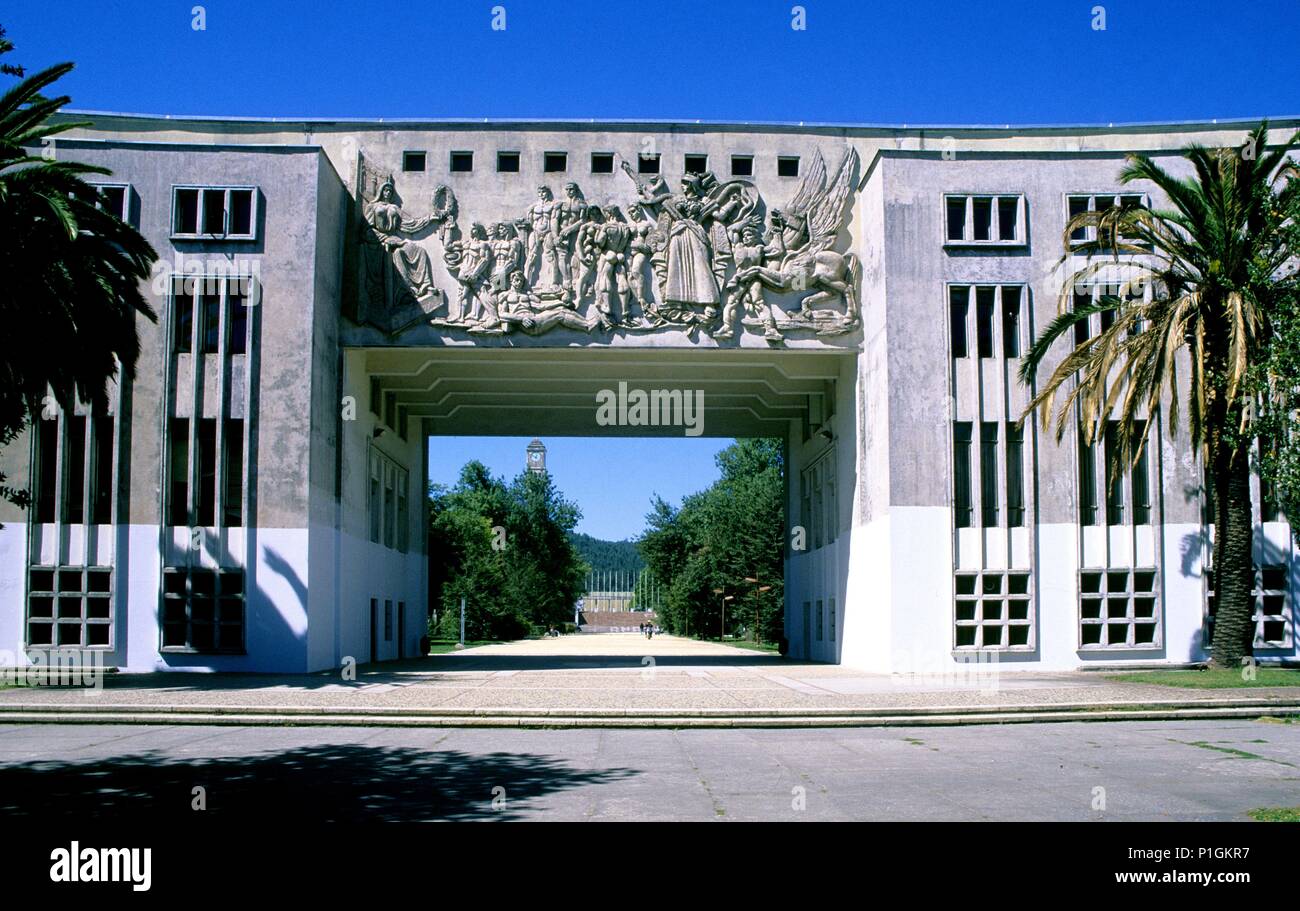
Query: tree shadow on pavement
pixel 326 783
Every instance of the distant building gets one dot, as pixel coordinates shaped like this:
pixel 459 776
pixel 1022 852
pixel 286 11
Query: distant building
pixel 535 458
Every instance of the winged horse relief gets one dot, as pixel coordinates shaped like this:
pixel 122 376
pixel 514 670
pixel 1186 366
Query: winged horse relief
pixel 798 255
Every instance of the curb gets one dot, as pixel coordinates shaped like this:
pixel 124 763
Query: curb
pixel 371 716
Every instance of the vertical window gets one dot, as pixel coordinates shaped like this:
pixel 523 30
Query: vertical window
pixel 1008 217
pixel 821 620
pixel 961 443
pixel 186 212
pixel 182 315
pixel 984 305
pixel 1087 482
pixel 1114 476
pixel 207 472
pixel 819 509
pixel 403 513
pixel 982 210
pixel 388 621
pixel 376 497
pixel 113 200
pixel 1011 321
pixel 989 474
pixel 214 211
pixel 958 305
pixel 1141 483
pixel 1077 206
pixel 828 481
pixel 74 498
pixel 1015 475
pixel 178 471
pixel 831 616
pixel 805 501
pixel 101 473
pixel 1082 300
pixel 241 213
pixel 390 505
pixel 956 217
pixel 233 459
pixel 237 316
pixel 47 468
pixel 210 310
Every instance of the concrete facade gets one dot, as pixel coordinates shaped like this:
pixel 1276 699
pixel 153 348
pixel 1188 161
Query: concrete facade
pixel 325 557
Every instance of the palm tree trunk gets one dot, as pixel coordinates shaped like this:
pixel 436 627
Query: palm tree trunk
pixel 1234 567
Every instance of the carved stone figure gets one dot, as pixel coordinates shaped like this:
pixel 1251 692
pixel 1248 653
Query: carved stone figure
pixel 542 266
pixel 470 261
pixel 521 308
pixel 749 253
pixel 397 273
pixel 569 218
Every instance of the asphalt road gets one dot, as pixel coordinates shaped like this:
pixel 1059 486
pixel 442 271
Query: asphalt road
pixel 1074 771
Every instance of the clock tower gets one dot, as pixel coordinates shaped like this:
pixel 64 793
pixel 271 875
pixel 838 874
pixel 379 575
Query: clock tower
pixel 536 460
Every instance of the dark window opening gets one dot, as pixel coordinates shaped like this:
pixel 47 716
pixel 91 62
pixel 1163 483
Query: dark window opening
pixel 742 166
pixel 207 472
pixel 1087 483
pixel 1008 217
pixel 237 314
pixel 956 217
pixel 958 305
pixel 508 162
pixel 1015 476
pixel 602 163
pixel 961 437
pixel 989 474
pixel 647 164
pixel 984 301
pixel 787 166
pixel 1114 476
pixel 697 164
pixel 214 211
pixel 982 209
pixel 187 212
pixel 1141 482
pixel 47 470
pixel 241 212
pixel 1011 322
pixel 233 459
pixel 210 333
pixel 75 496
pixel 1077 206
pixel 182 316
pixel 413 161
pixel 113 201
pixel 178 471
pixel 101 473
pixel 462 162
pixel 1082 332
pixel 555 162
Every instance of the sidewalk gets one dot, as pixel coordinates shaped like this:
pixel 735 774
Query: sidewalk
pixel 624 679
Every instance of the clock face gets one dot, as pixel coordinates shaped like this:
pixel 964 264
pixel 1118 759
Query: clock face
pixel 534 456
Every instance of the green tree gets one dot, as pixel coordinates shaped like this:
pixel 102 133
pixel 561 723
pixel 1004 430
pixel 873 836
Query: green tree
pixel 1217 264
pixel 720 537
pixel 72 272
pixel 1278 392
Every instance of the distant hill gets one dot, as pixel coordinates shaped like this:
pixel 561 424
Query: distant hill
pixel 620 556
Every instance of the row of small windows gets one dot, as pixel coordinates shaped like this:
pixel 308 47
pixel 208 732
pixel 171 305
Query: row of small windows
pixel 989 498
pixel 461 162
pixel 824 619
pixel 198 304
pixel 73 465
pixel 389 510
pixel 214 476
pixel 994 307
pixel 999 220
pixel 818 511
pixel 197 213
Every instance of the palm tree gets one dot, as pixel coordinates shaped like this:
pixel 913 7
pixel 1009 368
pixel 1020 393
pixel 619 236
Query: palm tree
pixel 72 272
pixel 1218 262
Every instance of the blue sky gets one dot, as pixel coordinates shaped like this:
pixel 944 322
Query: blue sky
pixel 612 480
pixel 917 61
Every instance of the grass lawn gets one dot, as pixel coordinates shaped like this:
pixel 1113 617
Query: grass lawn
pixel 1213 679
pixel 442 646
pixel 1276 814
pixel 752 646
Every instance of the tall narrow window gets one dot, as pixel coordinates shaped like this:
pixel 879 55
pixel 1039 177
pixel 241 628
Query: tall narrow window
pixel 178 430
pixel 47 468
pixel 210 308
pixel 958 305
pixel 1141 482
pixel 1008 217
pixel 956 214
pixel 376 496
pixel 982 209
pixel 74 498
pixel 1087 482
pixel 1011 321
pixel 237 316
pixel 403 513
pixel 1082 299
pixel 961 442
pixel 101 472
pixel 233 460
pixel 1015 475
pixel 1077 206
pixel 182 315
pixel 989 474
pixel 1114 476
pixel 390 506
pixel 207 472
pixel 984 306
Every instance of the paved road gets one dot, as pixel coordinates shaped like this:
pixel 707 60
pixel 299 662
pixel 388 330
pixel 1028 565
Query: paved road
pixel 1149 771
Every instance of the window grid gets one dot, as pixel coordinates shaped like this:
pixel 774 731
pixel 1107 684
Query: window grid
pixel 389 506
pixel 1127 491
pixel 984 219
pixel 993 610
pixel 818 507
pixel 70 606
pixel 998 314
pixel 1078 203
pixel 1273 611
pixel 1119 609
pixel 203 610
pixel 214 213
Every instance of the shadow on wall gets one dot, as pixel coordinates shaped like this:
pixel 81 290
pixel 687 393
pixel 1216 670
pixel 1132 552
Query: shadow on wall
pixel 327 783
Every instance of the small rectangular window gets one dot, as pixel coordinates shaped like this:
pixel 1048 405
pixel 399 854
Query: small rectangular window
pixel 956 215
pixel 696 164
pixel 989 474
pixel 788 166
pixel 1008 217
pixel 982 216
pixel 985 298
pixel 742 166
pixel 602 163
pixel 414 161
pixel 114 200
pixel 961 437
pixel 958 307
pixel 186 214
pixel 241 213
pixel 647 164
pixel 555 162
pixel 507 162
pixel 1011 321
pixel 462 162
